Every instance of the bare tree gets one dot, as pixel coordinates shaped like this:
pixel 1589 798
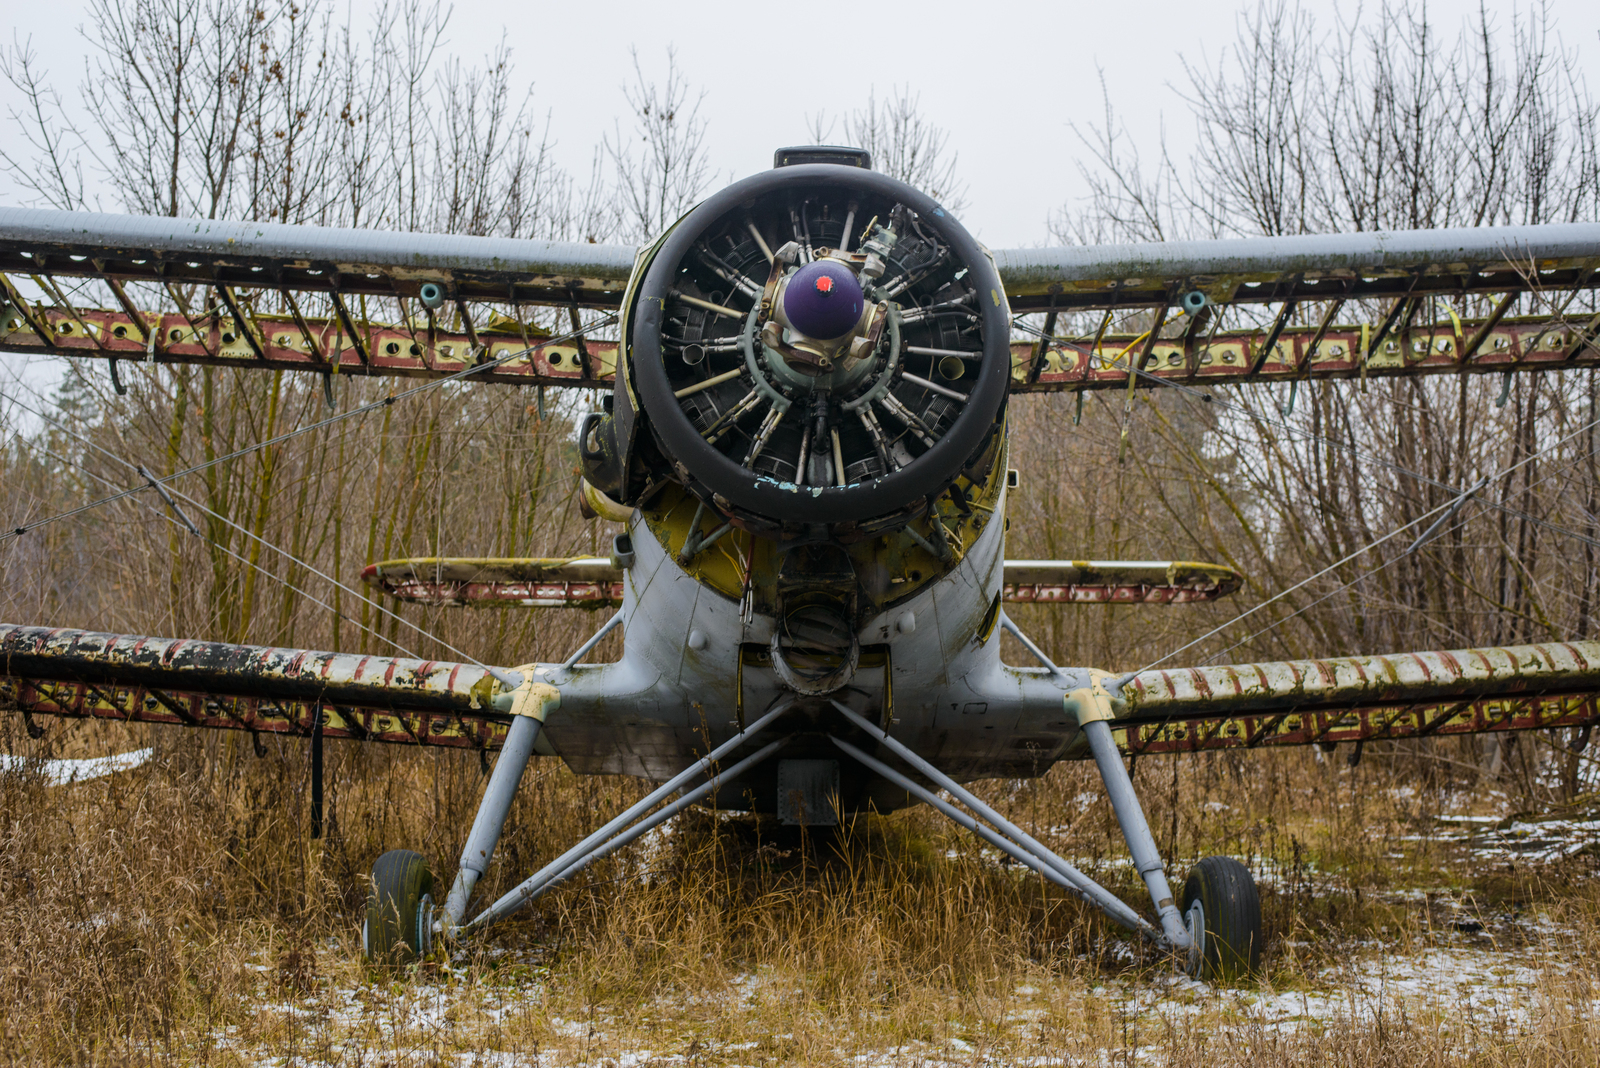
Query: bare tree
pixel 904 144
pixel 1381 120
pixel 660 166
pixel 274 111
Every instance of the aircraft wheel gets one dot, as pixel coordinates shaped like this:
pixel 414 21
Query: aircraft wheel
pixel 399 924
pixel 1223 913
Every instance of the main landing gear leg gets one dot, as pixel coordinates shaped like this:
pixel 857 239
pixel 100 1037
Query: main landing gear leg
pixel 1135 830
pixel 1217 932
pixel 401 920
pixel 1219 920
pixel 492 812
pixel 1218 925
pixel 400 896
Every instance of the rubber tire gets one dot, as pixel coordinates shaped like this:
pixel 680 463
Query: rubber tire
pixel 402 888
pixel 1233 936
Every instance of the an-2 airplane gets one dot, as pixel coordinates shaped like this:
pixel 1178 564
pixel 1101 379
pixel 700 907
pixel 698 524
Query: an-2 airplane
pixel 805 431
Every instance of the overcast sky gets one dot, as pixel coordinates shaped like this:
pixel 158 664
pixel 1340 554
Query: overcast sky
pixel 1004 78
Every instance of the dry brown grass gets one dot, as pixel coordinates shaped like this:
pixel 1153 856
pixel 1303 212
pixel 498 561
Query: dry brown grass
pixel 179 914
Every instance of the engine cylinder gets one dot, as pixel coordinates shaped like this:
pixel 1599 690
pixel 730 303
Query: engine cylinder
pixel 819 345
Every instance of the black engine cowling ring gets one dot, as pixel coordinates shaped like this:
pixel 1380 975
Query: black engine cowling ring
pixel 714 475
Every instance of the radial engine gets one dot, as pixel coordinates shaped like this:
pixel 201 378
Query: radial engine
pixel 817 355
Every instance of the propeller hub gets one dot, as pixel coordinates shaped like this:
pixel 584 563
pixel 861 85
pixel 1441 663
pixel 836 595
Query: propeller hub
pixel 823 300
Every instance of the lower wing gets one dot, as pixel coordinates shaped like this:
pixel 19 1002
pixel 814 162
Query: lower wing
pixel 390 699
pixel 1361 698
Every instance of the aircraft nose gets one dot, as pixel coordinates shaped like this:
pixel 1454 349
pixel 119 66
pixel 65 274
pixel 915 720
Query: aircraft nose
pixel 823 300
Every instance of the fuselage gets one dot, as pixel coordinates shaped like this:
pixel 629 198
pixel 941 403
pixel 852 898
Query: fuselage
pixel 697 665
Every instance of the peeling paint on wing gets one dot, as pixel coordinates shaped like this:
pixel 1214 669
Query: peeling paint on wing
pixel 1566 668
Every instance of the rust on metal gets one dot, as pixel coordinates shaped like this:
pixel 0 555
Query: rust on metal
pixel 1324 352
pixel 595 582
pixel 579 581
pixel 1368 698
pixel 1115 582
pixel 84 674
pixel 1385 722
pixel 479 729
pixel 297 342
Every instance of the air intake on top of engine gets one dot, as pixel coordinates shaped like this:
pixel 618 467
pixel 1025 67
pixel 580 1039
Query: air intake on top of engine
pixel 818 345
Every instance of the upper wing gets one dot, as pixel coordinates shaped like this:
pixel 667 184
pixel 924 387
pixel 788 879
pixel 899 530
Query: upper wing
pixel 299 297
pixel 281 297
pixel 1316 329
pixel 311 258
pixel 1361 698
pixel 1372 264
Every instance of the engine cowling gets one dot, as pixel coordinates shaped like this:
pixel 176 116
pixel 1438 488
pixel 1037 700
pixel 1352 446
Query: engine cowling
pixel 816 346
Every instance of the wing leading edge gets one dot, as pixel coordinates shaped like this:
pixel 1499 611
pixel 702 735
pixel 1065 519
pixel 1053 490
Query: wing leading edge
pixel 311 258
pixel 1380 263
pixel 83 674
pixel 1361 698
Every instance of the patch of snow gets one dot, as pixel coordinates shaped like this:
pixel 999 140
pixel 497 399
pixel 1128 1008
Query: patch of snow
pixel 63 772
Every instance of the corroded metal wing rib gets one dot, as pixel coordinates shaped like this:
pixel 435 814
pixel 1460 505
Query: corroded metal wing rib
pixel 246 687
pixel 1115 581
pixel 578 581
pixel 1361 698
pixel 595 582
pixel 1412 302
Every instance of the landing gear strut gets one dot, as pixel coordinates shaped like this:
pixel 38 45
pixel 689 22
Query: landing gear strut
pixel 1216 933
pixel 401 920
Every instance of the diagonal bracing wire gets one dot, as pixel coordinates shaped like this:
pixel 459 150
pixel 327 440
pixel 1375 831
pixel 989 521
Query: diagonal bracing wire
pixel 1345 586
pixel 286 554
pixel 180 520
pixel 1362 551
pixel 1427 536
pixel 601 323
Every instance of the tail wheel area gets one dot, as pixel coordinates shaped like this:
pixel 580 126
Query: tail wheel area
pixel 1223 912
pixel 399 923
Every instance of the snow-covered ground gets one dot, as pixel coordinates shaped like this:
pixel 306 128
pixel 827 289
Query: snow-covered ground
pixel 1476 991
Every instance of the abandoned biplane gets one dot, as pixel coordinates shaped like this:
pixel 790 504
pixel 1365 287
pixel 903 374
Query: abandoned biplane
pixel 804 430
